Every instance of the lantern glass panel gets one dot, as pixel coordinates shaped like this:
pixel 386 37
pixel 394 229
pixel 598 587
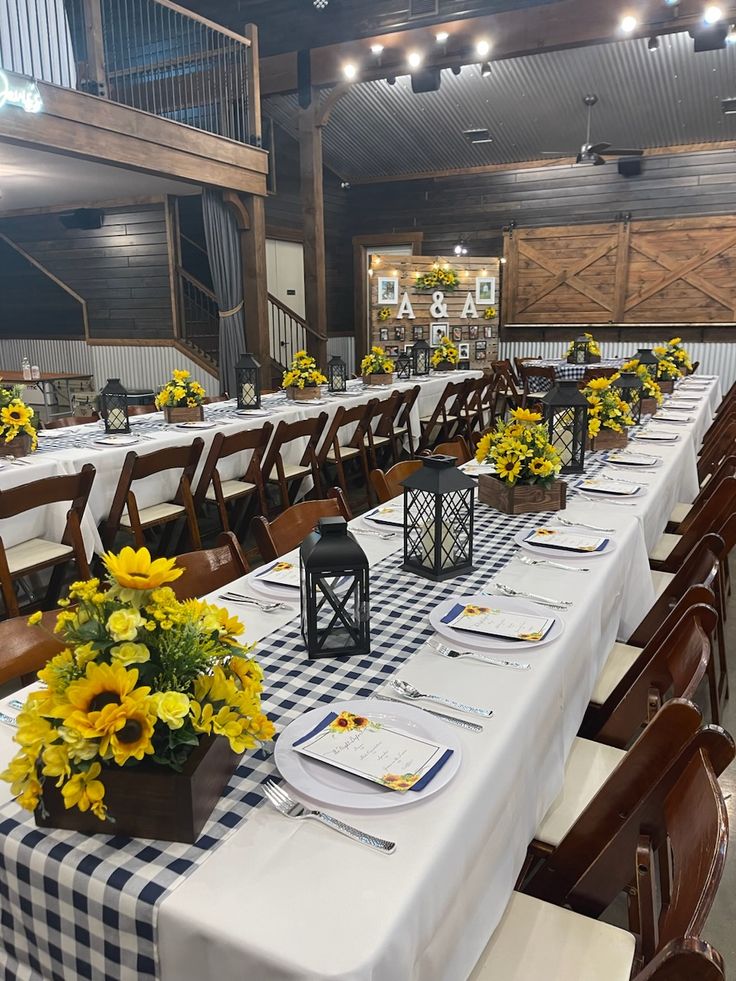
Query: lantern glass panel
pixel 580 350
pixel 566 419
pixel 438 520
pixel 248 382
pixel 421 355
pixel 403 367
pixel 630 386
pixel 337 374
pixel 335 606
pixel 114 399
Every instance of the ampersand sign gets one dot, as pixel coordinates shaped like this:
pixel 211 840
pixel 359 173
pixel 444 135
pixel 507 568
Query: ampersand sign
pixel 439 307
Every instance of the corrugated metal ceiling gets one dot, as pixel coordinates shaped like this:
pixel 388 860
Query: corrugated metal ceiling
pixel 647 99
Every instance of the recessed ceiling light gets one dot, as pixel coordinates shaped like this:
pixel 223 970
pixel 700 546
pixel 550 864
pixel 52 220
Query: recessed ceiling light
pixel 414 59
pixel 712 14
pixel 441 37
pixel 349 71
pixel 629 24
pixel 482 48
pixel 376 49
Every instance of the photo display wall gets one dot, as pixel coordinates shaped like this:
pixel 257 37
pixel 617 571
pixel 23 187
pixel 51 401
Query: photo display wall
pixel 427 297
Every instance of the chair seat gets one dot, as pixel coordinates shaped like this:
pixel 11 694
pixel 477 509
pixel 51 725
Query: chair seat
pixel 680 512
pixel 156 514
pixel 618 662
pixel 663 548
pixel 588 767
pixel 661 581
pixel 537 941
pixel 35 552
pixel 346 453
pixel 425 420
pixel 291 472
pixel 230 489
pixel 380 440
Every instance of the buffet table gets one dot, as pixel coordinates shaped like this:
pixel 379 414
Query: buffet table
pixel 261 897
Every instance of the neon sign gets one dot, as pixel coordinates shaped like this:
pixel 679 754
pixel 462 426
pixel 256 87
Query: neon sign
pixel 20 92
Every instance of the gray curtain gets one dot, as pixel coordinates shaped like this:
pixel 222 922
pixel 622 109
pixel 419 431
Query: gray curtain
pixel 223 247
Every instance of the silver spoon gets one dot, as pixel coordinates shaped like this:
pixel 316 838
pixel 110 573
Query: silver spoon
pixel 409 691
pixel 582 524
pixel 553 565
pixel 500 587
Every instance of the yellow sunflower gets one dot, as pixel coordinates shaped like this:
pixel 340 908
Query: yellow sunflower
pixel 526 415
pixel 132 740
pixel 16 414
pixel 136 570
pixel 508 468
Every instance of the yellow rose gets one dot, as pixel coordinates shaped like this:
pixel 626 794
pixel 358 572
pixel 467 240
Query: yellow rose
pixel 124 624
pixel 172 707
pixel 129 653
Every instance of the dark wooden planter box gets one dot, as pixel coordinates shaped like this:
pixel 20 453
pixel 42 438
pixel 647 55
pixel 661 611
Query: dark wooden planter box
pixel 149 801
pixel 649 406
pixel 384 379
pixel 305 394
pixel 183 413
pixel 667 385
pixel 589 359
pixel 445 366
pixel 20 446
pixel 521 498
pixel 607 439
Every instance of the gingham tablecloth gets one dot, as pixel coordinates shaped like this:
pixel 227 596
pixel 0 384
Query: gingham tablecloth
pixel 567 372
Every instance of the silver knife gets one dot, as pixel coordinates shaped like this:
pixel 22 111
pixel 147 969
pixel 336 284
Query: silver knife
pixel 460 723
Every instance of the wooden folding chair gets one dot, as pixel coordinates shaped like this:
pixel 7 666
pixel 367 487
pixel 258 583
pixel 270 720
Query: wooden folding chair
pixel 25 650
pixel 456 447
pixel 63 421
pixel 209 569
pixel 668 553
pixel 680 512
pixel 339 447
pixel 277 537
pixel 276 471
pixel 388 485
pixel 127 517
pixel 232 495
pixel 536 381
pixel 141 410
pixel 402 426
pixel 381 433
pixel 36 554
pixel 443 422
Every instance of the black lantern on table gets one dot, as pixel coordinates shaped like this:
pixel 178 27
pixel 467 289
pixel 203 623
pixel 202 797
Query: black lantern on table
pixel 114 407
pixel 403 367
pixel 248 382
pixel 337 374
pixel 630 385
pixel 647 357
pixel 580 350
pixel 335 610
pixel 420 357
pixel 566 420
pixel 438 520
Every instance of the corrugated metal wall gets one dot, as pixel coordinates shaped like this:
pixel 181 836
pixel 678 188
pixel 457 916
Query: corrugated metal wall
pixel 715 359
pixel 70 355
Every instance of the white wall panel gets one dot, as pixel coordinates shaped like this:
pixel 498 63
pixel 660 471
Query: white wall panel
pixel 144 367
pixel 345 348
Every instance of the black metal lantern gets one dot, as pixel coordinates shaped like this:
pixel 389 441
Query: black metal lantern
pixel 647 357
pixel 580 348
pixel 114 407
pixel 420 357
pixel 630 385
pixel 334 592
pixel 403 367
pixel 438 520
pixel 337 374
pixel 248 382
pixel 566 419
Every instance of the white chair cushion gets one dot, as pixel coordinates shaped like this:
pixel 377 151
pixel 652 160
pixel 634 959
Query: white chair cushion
pixel 680 512
pixel 537 941
pixel 664 546
pixel 155 514
pixel 588 767
pixel 291 472
pixel 230 488
pixel 661 580
pixel 618 662
pixel 36 551
pixel 346 453
pixel 380 440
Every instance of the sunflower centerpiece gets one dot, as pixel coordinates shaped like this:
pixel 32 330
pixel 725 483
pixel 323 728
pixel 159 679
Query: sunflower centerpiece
pixel 674 362
pixel 675 351
pixel 445 356
pixel 17 432
pixel 584 350
pixel 526 466
pixel 651 393
pixel 145 688
pixel 440 277
pixel 181 398
pixel 609 415
pixel 303 378
pixel 377 368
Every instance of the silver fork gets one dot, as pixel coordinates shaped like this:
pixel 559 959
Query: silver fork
pixel 409 691
pixel 384 536
pixel 582 524
pixel 499 662
pixel 267 606
pixel 542 600
pixel 291 808
pixel 553 565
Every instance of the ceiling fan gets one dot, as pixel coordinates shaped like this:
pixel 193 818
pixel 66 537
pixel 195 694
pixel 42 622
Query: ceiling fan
pixel 594 154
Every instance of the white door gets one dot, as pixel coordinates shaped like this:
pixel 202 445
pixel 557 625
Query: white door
pixel 285 270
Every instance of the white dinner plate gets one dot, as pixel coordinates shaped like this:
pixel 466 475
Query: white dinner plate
pixel 607 495
pixel 196 425
pixel 117 439
pixel 562 554
pixel 651 465
pixel 251 412
pixel 464 640
pixel 644 437
pixel 326 784
pixel 272 591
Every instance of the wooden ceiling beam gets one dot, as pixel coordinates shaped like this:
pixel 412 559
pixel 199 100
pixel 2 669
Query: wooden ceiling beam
pixel 513 34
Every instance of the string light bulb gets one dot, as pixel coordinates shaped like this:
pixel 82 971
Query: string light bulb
pixel 482 48
pixel 441 37
pixel 629 24
pixel 376 49
pixel 349 71
pixel 712 14
pixel 414 59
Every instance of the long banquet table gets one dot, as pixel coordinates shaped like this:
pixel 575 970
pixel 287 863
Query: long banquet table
pixel 261 897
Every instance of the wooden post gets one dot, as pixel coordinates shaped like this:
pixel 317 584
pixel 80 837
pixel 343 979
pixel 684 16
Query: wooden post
pixel 255 132
pixel 315 281
pixel 252 223
pixel 93 36
pixel 623 256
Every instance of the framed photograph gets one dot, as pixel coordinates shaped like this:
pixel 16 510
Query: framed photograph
pixel 388 290
pixel 463 350
pixel 392 350
pixel 457 333
pixel 417 332
pixel 438 331
pixel 488 331
pixel 399 333
pixel 485 290
pixel 383 333
pixel 473 332
pixel 480 350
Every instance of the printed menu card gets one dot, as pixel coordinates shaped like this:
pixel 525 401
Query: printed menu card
pixel 568 541
pixel 394 759
pixel 634 459
pixel 281 574
pixel 388 514
pixel 659 435
pixel 498 623
pixel 604 485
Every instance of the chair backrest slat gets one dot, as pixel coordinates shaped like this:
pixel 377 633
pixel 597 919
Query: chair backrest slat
pixel 275 538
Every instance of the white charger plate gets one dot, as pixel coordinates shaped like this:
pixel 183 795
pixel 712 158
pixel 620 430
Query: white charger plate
pixel 651 465
pixel 550 553
pixel 326 784
pixel 464 640
pixel 196 425
pixel 272 591
pixel 115 439
pixel 644 438
pixel 607 495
